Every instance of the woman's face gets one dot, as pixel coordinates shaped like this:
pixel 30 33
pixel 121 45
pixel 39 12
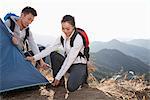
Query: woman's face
pixel 67 28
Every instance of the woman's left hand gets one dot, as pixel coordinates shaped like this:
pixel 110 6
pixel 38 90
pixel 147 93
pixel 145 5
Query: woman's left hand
pixel 56 82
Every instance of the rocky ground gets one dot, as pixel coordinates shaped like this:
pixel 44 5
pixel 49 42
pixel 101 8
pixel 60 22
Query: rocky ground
pixel 105 89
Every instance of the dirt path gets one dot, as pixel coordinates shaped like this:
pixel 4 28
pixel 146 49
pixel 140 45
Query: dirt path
pixel 85 93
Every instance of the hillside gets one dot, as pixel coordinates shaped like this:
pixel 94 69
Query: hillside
pixel 111 60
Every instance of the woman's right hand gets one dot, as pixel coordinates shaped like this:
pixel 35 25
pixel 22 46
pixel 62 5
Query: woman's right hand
pixel 30 58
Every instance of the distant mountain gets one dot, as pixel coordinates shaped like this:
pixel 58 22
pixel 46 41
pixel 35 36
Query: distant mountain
pixel 140 42
pixel 135 51
pixel 111 60
pixel 97 46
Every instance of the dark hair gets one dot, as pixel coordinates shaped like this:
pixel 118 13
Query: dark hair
pixel 28 10
pixel 70 19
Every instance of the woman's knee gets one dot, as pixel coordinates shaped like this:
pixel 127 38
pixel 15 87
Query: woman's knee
pixel 73 85
pixel 72 88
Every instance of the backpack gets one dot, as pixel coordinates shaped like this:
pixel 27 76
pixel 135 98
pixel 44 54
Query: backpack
pixel 12 27
pixel 85 42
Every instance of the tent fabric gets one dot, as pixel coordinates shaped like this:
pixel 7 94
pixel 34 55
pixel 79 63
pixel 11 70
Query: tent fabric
pixel 15 71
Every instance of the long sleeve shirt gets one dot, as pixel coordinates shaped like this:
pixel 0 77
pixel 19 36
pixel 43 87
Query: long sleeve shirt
pixel 21 35
pixel 72 53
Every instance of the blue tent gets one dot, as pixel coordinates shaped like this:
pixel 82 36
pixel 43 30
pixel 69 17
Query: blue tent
pixel 15 71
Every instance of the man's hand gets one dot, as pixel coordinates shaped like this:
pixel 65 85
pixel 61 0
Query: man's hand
pixel 14 40
pixel 56 82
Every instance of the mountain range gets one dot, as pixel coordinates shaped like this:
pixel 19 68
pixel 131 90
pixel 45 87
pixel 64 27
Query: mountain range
pixel 140 42
pixel 129 49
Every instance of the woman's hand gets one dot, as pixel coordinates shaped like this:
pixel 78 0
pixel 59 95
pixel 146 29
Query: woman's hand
pixel 30 58
pixel 43 64
pixel 56 82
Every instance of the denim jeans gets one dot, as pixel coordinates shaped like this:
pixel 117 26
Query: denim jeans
pixel 78 72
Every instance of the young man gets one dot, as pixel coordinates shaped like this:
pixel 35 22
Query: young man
pixel 20 29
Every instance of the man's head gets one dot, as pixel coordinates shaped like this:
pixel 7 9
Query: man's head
pixel 68 24
pixel 27 16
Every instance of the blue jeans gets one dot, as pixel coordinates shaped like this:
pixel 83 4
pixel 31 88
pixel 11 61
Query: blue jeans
pixel 78 72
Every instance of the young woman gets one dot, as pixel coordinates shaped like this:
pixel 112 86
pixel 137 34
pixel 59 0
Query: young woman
pixel 71 62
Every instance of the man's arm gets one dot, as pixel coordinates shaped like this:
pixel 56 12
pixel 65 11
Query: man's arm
pixel 14 38
pixel 32 43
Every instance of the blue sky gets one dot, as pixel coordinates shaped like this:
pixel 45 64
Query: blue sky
pixel 102 19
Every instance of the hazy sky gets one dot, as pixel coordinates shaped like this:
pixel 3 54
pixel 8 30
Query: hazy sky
pixel 102 19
